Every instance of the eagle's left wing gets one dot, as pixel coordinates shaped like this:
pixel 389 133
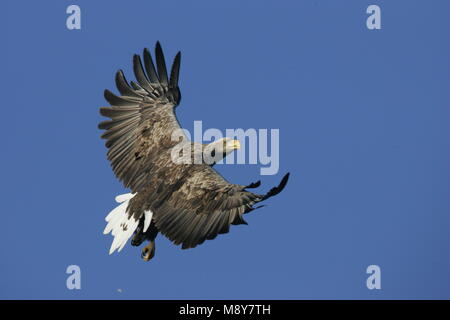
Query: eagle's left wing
pixel 142 118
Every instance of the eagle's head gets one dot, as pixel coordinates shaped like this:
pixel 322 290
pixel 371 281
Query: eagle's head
pixel 217 150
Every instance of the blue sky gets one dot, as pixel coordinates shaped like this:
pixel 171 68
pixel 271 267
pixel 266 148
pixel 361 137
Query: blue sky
pixel 363 118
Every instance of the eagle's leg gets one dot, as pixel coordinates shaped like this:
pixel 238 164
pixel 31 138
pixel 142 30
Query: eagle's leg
pixel 139 236
pixel 148 251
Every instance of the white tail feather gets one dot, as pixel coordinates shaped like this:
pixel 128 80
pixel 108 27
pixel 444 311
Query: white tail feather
pixel 120 225
pixel 147 219
pixel 124 197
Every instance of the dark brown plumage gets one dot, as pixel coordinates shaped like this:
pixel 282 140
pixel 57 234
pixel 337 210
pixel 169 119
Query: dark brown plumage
pixel 190 202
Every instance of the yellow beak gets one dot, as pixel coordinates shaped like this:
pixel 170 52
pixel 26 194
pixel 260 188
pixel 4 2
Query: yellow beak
pixel 236 144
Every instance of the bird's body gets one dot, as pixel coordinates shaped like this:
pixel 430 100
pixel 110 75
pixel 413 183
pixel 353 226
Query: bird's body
pixel 187 201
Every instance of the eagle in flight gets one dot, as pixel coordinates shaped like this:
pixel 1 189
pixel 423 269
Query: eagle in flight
pixel 187 202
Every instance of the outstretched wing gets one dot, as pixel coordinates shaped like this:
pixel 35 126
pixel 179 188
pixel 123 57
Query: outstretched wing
pixel 204 206
pixel 142 118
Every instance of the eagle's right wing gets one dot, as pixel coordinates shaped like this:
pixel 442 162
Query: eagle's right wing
pixel 142 118
pixel 203 205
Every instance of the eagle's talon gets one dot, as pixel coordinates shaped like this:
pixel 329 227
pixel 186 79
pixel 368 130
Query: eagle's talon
pixel 148 251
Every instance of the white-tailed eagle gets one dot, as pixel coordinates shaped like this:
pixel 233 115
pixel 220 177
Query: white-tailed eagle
pixel 187 202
